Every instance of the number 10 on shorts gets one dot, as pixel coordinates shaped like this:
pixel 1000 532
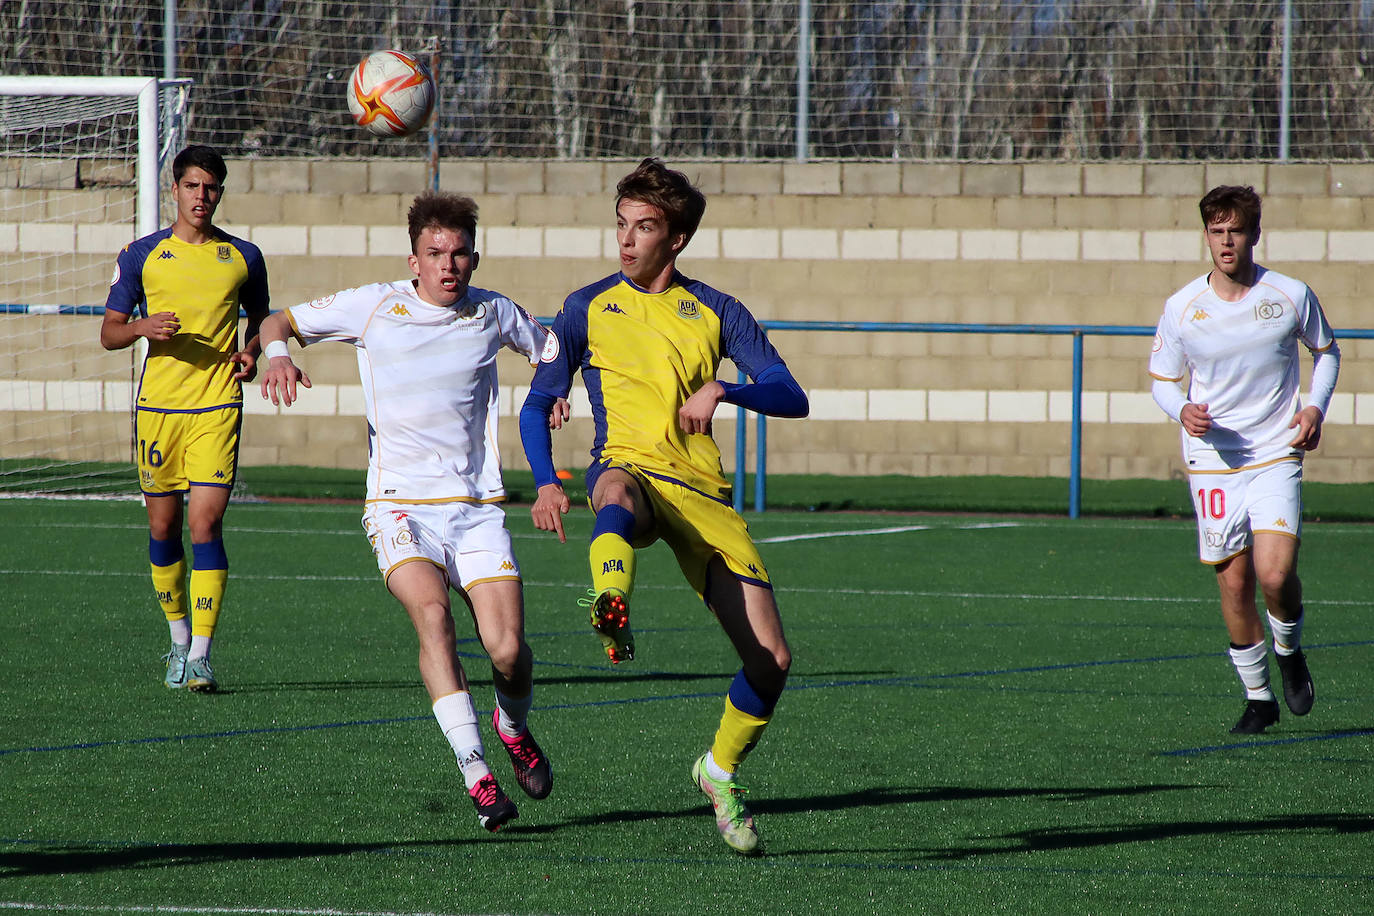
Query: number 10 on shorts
pixel 1211 503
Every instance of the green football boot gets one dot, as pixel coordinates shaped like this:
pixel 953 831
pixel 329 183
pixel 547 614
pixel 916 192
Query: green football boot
pixel 733 820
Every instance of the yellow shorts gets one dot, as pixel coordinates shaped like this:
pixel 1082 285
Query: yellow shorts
pixel 698 528
pixel 177 451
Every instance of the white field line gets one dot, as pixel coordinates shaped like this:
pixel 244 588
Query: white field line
pixel 865 532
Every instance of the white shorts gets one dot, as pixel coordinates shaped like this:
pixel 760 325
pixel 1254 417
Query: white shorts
pixel 468 541
pixel 1231 507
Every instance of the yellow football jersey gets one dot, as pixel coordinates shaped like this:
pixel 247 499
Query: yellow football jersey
pixel 205 285
pixel 642 355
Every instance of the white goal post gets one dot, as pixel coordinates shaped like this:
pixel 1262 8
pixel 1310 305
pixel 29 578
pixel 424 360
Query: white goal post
pixel 82 161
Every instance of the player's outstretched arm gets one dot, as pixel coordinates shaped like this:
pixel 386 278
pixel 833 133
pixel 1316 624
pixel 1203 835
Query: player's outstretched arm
pixel 282 375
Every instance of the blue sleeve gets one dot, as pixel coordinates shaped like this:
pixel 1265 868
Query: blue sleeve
pixel 554 374
pixel 743 339
pixel 535 435
pixel 126 290
pixel 253 296
pixel 774 393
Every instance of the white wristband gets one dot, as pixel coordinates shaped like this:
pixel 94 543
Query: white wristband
pixel 276 348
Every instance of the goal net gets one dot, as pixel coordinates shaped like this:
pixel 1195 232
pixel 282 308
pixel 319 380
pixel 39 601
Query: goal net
pixel 80 168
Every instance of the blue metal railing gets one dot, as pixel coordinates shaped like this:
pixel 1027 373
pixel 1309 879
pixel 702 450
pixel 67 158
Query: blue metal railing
pixel 19 308
pixel 1076 331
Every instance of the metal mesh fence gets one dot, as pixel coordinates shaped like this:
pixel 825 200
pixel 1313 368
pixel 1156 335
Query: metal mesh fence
pixel 923 79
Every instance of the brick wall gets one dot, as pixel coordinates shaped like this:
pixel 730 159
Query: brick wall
pixel 1051 243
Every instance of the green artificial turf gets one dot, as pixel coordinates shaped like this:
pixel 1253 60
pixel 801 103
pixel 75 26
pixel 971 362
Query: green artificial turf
pixel 986 713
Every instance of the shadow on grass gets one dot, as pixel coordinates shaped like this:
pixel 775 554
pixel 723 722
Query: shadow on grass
pixel 1057 839
pixel 55 860
pixel 479 680
pixel 864 798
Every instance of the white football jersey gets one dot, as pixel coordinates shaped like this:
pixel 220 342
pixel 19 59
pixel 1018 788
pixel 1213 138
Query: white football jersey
pixel 1242 361
pixel 429 384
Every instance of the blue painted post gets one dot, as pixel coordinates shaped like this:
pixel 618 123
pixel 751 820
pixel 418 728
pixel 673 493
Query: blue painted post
pixel 1076 435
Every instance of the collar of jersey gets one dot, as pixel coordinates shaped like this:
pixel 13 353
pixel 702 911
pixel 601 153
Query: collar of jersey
pixel 677 280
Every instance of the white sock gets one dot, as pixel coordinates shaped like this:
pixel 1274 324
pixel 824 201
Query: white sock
pixel 1287 635
pixel 458 719
pixel 714 770
pixel 200 647
pixel 511 714
pixel 1252 664
pixel 181 631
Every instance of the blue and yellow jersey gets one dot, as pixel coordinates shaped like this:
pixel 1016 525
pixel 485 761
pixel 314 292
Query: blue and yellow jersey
pixel 642 355
pixel 205 285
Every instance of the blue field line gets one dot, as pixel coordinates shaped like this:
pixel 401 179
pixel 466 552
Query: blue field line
pixel 234 733
pixel 894 680
pixel 1270 742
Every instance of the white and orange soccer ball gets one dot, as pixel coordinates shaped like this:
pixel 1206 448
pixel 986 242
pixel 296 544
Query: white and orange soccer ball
pixel 391 94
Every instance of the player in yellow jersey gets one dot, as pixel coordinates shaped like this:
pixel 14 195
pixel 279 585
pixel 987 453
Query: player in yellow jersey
pixel 181 289
pixel 648 342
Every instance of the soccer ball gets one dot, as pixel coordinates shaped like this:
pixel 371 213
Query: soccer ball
pixel 390 94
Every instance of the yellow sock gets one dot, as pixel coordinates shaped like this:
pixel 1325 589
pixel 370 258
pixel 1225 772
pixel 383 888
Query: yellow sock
pixel 613 563
pixel 170 584
pixel 736 737
pixel 207 593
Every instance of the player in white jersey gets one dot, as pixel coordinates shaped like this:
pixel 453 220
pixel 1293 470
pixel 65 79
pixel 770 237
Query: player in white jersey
pixel 1234 333
pixel 427 361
